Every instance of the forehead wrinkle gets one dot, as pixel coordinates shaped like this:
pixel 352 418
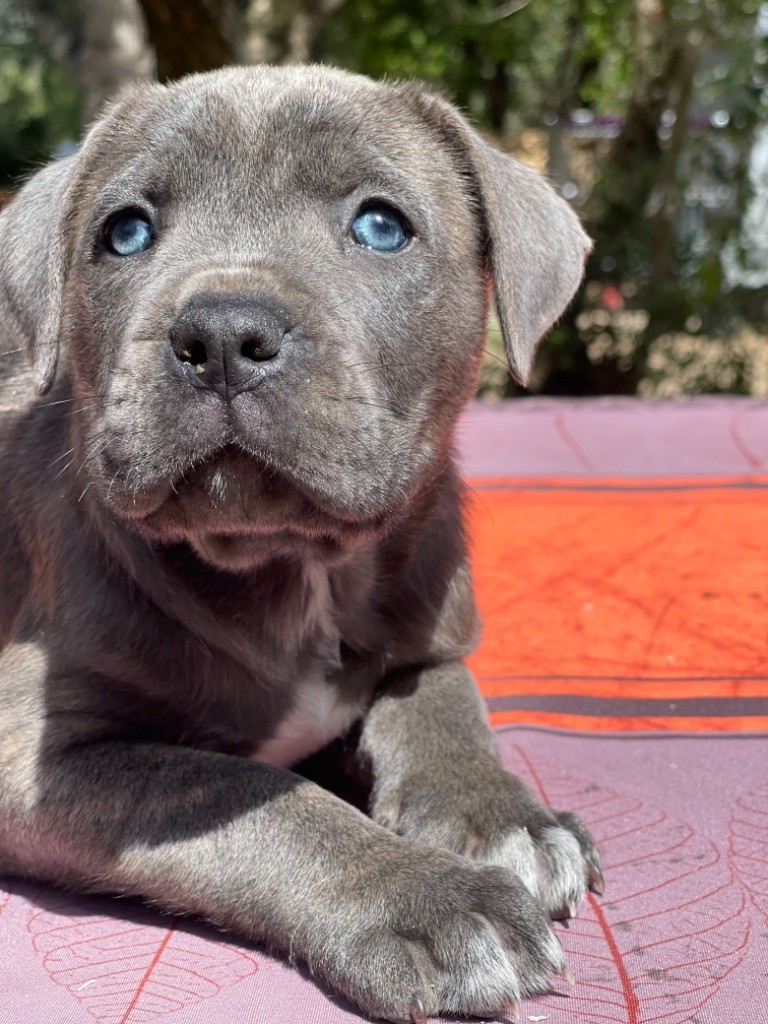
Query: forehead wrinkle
pixel 322 161
pixel 137 181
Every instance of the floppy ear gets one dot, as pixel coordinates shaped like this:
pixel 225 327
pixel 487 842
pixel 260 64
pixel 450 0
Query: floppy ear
pixel 33 261
pixel 535 244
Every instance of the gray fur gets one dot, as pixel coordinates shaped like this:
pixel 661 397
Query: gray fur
pixel 200 587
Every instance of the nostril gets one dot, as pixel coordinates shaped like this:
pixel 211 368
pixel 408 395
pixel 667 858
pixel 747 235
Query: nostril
pixel 195 353
pixel 258 349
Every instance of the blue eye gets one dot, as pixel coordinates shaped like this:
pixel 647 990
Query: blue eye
pixel 130 233
pixel 379 227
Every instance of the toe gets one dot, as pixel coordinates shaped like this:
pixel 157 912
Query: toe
pixel 594 875
pixel 516 851
pixel 562 880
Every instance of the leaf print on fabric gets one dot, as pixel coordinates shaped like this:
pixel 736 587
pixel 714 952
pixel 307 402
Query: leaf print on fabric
pixel 748 846
pixel 672 925
pixel 133 971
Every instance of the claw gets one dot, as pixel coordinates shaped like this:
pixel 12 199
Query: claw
pixel 569 909
pixel 596 882
pixel 566 975
pixel 512 1008
pixel 418 1013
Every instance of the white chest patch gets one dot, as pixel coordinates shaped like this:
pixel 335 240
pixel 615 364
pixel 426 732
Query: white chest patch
pixel 319 713
pixel 318 716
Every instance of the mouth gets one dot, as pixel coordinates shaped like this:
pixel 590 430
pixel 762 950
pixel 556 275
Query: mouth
pixel 237 512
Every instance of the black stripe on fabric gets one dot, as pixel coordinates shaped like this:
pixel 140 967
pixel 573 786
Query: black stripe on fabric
pixel 618 707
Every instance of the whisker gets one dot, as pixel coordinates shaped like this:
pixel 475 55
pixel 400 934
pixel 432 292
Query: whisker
pixel 60 457
pixel 498 359
pixel 64 469
pixel 97 446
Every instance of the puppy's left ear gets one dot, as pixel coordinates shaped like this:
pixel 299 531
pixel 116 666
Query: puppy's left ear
pixel 535 245
pixel 33 260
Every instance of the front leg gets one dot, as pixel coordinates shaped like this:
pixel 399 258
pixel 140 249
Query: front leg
pixel 404 930
pixel 438 780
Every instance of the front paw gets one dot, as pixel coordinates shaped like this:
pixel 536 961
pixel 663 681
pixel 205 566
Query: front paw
pixel 480 811
pixel 427 933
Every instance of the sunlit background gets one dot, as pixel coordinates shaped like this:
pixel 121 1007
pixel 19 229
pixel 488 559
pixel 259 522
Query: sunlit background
pixel 649 115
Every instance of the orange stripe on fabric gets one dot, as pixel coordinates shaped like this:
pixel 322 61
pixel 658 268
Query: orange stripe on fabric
pixel 589 723
pixel 630 582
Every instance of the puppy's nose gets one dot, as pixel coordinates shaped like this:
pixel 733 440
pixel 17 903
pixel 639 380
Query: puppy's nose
pixel 228 340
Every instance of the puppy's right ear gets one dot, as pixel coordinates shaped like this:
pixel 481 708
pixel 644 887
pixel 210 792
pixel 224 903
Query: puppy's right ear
pixel 33 263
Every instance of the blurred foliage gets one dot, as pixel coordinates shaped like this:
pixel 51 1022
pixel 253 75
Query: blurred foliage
pixel 505 63
pixel 649 114
pixel 688 364
pixel 39 106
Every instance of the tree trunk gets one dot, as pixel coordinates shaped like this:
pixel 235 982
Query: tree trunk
pixel 683 66
pixel 632 166
pixel 632 213
pixel 193 35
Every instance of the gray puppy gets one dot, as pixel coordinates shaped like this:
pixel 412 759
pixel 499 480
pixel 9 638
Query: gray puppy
pixel 230 533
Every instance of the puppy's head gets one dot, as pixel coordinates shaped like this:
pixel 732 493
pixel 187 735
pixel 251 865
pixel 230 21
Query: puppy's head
pixel 267 290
